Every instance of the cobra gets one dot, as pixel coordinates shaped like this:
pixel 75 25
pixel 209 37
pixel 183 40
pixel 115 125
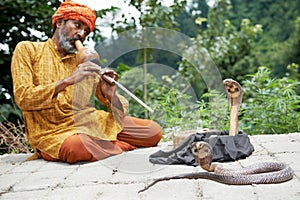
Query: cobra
pixel 259 173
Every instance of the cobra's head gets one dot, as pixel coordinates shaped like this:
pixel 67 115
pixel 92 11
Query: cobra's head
pixel 201 149
pixel 232 88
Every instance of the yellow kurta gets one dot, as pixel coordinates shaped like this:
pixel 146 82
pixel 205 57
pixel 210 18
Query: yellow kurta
pixel 49 120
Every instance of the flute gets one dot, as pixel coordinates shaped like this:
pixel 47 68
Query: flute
pixel 94 57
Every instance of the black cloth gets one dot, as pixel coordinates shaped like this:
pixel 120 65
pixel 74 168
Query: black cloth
pixel 225 148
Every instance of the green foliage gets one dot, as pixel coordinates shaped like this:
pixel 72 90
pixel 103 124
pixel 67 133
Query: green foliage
pixel 272 14
pixel 8 111
pixel 174 110
pixel 133 80
pixel 18 20
pixel 294 73
pixel 198 9
pixel 173 107
pixel 152 13
pixel 229 46
pixel 287 54
pixel 270 105
pixel 213 110
pixel 277 18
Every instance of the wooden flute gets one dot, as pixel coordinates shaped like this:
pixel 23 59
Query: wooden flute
pixel 94 57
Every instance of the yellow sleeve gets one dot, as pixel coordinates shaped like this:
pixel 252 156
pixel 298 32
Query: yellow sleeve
pixel 29 96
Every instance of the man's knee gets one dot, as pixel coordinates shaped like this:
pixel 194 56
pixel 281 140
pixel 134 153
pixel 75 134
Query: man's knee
pixel 156 134
pixel 156 138
pixel 73 150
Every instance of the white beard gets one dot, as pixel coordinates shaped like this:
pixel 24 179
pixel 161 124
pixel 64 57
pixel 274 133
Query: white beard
pixel 65 43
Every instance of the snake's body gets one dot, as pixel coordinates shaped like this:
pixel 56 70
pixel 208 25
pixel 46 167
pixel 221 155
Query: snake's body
pixel 277 173
pixel 260 173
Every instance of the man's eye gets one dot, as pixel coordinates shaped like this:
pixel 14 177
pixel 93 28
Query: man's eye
pixel 76 24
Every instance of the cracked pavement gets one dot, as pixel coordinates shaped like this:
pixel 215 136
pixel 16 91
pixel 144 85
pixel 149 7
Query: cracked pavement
pixel 122 176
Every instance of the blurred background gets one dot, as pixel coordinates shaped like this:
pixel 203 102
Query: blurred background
pixel 256 43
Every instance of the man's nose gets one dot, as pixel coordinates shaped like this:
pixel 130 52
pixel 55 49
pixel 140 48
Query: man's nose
pixel 81 33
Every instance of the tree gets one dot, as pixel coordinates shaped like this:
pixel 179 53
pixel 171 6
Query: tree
pixel 287 54
pixel 277 19
pixel 152 14
pixel 20 20
pixel 24 20
pixel 186 19
pixel 230 47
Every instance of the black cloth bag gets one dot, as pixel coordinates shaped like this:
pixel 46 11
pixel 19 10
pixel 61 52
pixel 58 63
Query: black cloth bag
pixel 225 148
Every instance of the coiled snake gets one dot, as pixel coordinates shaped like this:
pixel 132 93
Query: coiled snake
pixel 260 173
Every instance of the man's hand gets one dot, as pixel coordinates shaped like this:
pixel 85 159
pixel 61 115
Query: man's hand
pixel 83 70
pixel 108 88
pixel 90 69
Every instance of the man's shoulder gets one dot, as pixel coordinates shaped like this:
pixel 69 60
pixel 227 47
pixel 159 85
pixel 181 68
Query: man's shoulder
pixel 29 47
pixel 30 44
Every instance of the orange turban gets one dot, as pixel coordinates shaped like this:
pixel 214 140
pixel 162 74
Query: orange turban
pixel 75 11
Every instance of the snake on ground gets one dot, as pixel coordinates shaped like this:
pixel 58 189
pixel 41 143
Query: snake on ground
pixel 259 173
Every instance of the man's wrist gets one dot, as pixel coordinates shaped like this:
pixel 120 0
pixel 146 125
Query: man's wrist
pixel 61 85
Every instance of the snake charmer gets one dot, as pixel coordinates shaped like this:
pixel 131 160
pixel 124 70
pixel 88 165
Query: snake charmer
pixel 54 92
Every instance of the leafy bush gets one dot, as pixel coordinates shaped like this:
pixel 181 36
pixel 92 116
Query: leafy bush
pixel 213 110
pixel 270 105
pixel 175 111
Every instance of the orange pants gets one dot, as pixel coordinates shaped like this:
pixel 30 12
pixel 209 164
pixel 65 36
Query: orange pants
pixel 81 147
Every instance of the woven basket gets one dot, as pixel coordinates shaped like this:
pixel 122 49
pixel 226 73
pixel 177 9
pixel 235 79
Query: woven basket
pixel 178 138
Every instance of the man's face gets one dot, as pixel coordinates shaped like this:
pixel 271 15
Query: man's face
pixel 70 31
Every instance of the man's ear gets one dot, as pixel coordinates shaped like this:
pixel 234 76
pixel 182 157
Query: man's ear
pixel 59 22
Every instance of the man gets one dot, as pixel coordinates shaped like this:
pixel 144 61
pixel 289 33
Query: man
pixel 54 93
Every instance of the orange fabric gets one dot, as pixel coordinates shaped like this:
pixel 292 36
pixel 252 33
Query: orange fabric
pixel 136 133
pixel 124 145
pixel 81 147
pixel 47 157
pixel 140 132
pixel 75 11
pixel 73 150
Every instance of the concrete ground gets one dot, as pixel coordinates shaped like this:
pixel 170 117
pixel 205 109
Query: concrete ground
pixel 122 176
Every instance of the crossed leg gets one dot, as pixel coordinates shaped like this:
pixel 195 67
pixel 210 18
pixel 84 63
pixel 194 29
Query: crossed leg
pixel 136 133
